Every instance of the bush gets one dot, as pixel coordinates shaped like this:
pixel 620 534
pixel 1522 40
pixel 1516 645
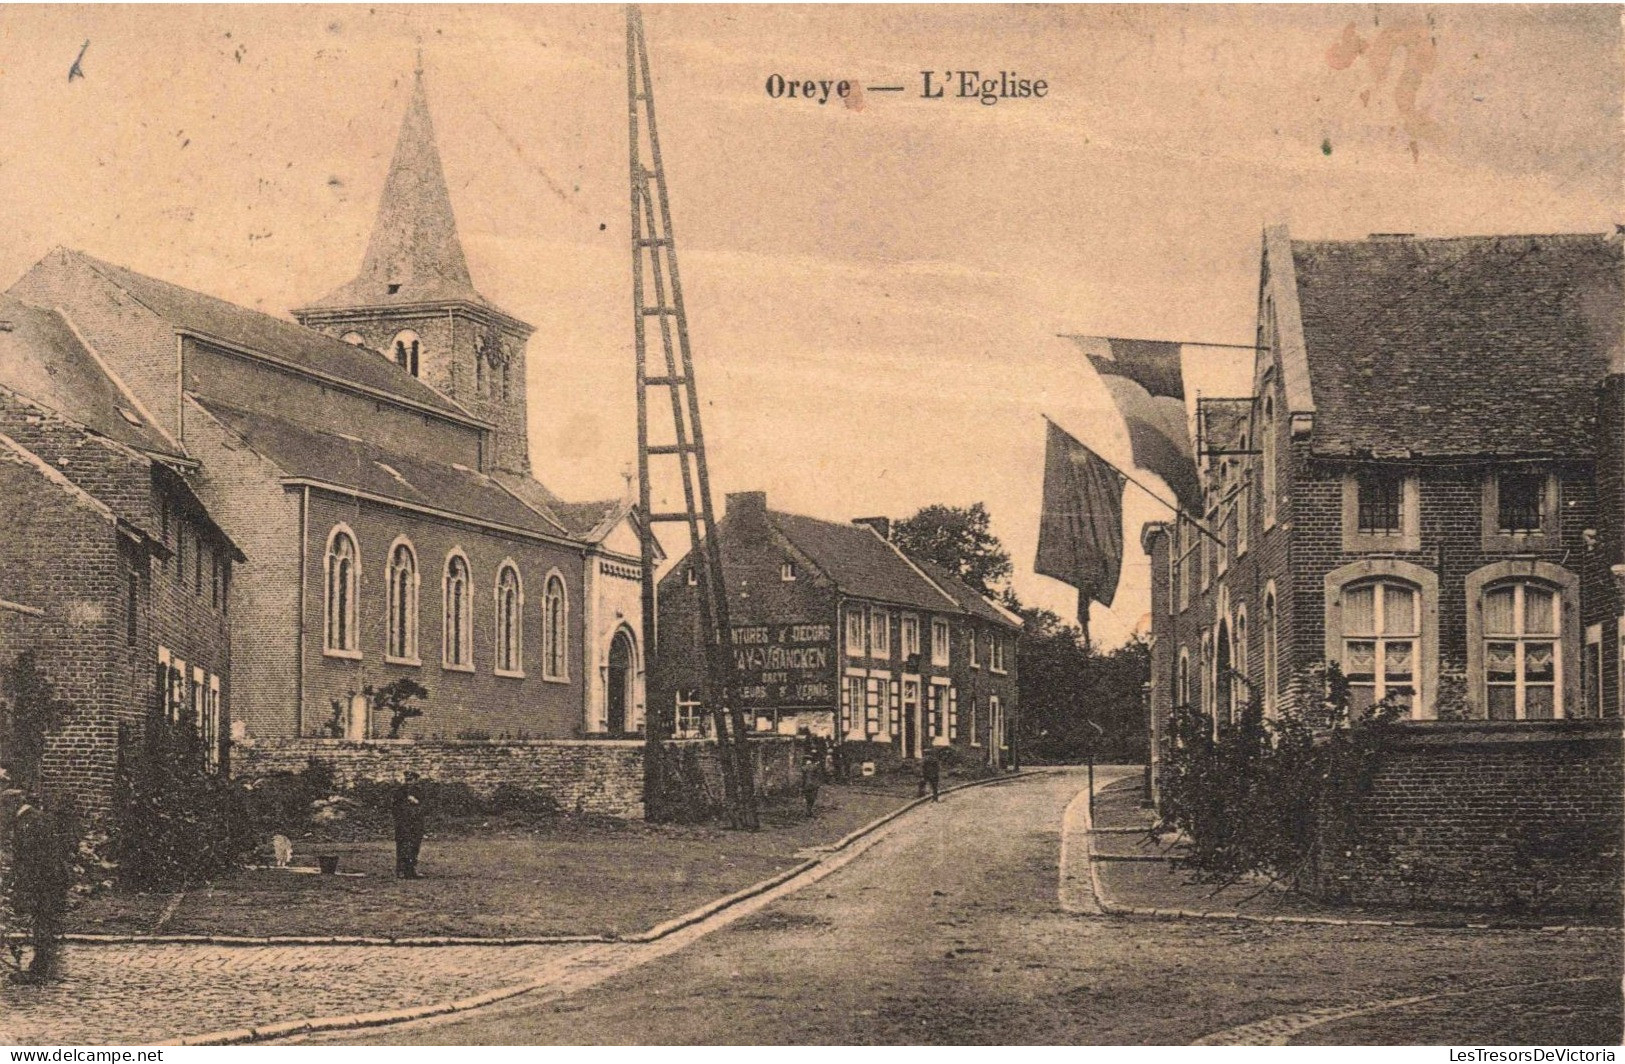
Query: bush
pixel 178 822
pixel 1258 796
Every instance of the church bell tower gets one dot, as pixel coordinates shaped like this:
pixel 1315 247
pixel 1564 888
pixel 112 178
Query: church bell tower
pixel 414 302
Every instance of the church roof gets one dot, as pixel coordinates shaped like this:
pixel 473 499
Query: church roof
pixel 349 462
pixel 284 341
pixel 42 358
pixel 414 256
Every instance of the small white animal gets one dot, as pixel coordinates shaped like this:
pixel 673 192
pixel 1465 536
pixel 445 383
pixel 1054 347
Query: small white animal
pixel 282 850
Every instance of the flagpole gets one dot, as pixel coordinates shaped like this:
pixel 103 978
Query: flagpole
pixel 1132 340
pixel 1200 527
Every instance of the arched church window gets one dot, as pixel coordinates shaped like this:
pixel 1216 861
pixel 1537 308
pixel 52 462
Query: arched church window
pixel 403 602
pixel 510 626
pixel 355 339
pixel 555 633
pixel 406 348
pixel 459 635
pixel 343 579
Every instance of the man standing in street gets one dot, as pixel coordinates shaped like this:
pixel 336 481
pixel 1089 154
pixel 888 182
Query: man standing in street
pixel 931 775
pixel 40 893
pixel 407 809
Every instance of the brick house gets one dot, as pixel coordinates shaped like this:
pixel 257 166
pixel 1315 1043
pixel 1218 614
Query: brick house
pixel 1412 491
pixel 111 570
pixel 837 630
pixel 373 462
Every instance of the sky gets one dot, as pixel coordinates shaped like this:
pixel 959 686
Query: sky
pixel 874 294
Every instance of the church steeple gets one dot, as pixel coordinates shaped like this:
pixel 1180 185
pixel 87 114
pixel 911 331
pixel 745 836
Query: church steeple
pixel 414 255
pixel 414 302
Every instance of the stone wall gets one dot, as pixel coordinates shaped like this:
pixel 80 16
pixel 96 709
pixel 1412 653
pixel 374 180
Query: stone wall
pixel 1507 815
pixel 600 776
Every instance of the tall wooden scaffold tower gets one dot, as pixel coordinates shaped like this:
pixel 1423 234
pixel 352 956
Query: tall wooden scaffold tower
pixel 654 267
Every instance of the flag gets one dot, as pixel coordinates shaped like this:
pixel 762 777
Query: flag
pixel 1080 535
pixel 1145 381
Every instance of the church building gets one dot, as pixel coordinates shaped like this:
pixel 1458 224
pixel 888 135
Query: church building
pixel 373 464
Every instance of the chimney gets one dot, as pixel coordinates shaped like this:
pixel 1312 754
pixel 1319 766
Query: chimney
pixel 746 502
pixel 879 524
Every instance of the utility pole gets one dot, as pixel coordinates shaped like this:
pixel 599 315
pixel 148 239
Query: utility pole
pixel 670 383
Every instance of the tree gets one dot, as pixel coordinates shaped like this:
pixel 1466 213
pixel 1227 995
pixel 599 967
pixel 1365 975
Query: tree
pixel 396 698
pixel 29 711
pixel 958 538
pixel 1062 682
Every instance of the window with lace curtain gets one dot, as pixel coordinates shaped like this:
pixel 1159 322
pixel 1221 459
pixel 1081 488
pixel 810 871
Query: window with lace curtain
pixel 1521 661
pixel 1381 629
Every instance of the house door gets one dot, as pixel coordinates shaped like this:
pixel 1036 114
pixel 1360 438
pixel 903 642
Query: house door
pixel 619 683
pixel 911 718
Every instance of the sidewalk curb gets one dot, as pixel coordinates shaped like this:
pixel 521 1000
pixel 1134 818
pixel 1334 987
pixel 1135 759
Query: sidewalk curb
pixel 1114 908
pixel 653 934
pixel 244 1035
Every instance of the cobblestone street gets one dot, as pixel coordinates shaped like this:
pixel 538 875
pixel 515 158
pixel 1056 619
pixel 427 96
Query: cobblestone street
pixel 153 993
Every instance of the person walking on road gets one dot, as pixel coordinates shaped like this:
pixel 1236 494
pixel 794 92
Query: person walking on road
pixel 812 770
pixel 407 809
pixel 931 775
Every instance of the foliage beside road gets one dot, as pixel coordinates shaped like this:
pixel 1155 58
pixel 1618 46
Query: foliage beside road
pixel 513 874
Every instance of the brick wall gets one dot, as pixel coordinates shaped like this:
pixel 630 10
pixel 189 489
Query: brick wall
pixel 60 554
pixel 597 776
pixel 459 701
pixel 243 492
pixel 1504 815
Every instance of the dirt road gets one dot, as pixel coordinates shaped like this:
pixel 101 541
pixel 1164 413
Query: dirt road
pixel 949 931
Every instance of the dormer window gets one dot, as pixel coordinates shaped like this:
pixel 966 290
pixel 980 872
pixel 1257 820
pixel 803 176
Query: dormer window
pixel 406 350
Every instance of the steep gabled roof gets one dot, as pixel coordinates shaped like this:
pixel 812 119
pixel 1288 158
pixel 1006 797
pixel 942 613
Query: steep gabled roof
pixel 414 255
pixel 860 562
pixel 284 341
pixel 42 358
pixel 1473 346
pixel 970 600
pixel 348 462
